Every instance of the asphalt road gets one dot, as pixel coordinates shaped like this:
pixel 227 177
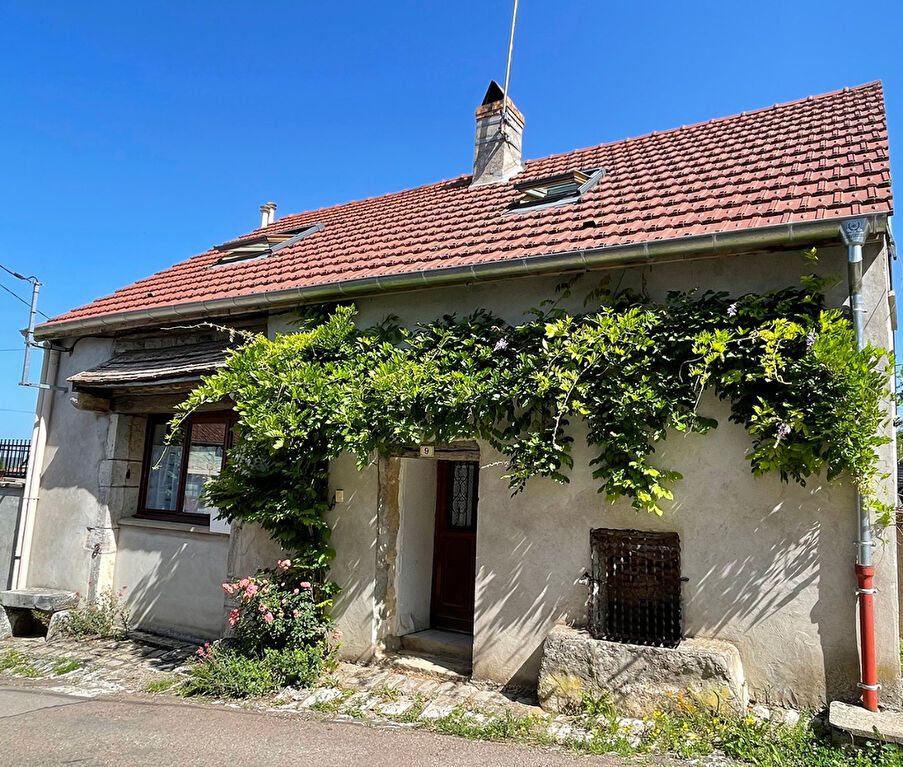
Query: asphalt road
pixel 44 728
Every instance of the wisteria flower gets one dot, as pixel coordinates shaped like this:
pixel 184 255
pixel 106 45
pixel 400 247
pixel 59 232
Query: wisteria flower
pixel 500 345
pixel 810 339
pixel 732 310
pixel 783 431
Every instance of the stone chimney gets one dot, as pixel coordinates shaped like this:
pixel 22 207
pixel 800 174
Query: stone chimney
pixel 267 214
pixel 500 130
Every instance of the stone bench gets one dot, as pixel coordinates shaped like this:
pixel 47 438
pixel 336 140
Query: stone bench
pixel 17 608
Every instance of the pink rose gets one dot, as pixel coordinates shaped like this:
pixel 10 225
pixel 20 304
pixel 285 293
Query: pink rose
pixel 262 608
pixel 296 613
pixel 295 591
pixel 304 585
pixel 233 617
pixel 268 617
pixel 229 588
pixel 336 635
pixel 283 564
pixel 251 590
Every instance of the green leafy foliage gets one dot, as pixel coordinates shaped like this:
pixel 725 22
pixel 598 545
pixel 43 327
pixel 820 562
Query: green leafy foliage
pixel 107 617
pixel 224 672
pixel 278 609
pixel 631 369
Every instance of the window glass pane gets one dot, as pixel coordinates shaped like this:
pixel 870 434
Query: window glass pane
pixel 462 499
pixel 205 459
pixel 163 474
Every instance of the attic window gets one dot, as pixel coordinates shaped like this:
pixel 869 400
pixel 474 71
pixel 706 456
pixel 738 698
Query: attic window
pixel 262 245
pixel 559 189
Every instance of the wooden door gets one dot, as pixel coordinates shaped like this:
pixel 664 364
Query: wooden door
pixel 455 546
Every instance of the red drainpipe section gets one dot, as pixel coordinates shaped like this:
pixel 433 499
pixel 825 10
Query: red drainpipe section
pixel 865 575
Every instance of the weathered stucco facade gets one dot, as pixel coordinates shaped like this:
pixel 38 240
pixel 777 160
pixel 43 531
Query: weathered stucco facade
pixel 768 566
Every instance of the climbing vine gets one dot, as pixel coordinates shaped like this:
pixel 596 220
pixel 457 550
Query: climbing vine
pixel 631 369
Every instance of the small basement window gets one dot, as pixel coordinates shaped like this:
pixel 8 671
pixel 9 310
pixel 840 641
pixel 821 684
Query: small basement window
pixel 262 245
pixel 635 587
pixel 555 190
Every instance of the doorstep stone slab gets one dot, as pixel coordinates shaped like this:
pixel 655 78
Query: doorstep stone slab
pixel 638 678
pixel 861 724
pixel 46 600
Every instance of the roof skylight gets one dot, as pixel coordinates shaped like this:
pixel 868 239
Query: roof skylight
pixel 559 189
pixel 262 245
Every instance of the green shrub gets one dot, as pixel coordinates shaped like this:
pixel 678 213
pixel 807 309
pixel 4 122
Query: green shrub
pixel 277 609
pixel 228 673
pixel 108 617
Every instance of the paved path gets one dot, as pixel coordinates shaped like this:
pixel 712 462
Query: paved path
pixel 42 728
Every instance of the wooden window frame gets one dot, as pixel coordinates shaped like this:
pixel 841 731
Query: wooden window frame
pixel 226 417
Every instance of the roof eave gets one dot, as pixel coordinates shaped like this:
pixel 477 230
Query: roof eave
pixel 694 246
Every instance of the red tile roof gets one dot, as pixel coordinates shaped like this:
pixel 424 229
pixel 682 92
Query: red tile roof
pixel 822 157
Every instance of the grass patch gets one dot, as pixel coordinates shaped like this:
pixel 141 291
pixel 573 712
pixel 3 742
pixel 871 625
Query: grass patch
pixel 17 663
pixel 165 684
pixel 65 666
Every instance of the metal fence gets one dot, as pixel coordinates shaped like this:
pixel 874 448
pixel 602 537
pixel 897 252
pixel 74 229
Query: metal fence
pixel 14 458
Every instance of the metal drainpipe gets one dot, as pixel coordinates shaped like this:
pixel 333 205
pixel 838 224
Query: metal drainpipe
pixel 43 410
pixel 854 232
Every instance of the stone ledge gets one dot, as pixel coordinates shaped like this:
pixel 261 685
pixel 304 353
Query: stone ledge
pixel 855 723
pixel 638 678
pixel 47 600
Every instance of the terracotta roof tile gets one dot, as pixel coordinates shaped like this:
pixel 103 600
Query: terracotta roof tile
pixel 825 156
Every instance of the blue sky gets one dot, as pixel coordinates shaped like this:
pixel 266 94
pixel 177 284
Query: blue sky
pixel 133 135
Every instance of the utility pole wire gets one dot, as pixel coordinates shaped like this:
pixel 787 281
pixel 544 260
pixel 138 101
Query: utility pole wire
pixel 17 275
pixel 17 296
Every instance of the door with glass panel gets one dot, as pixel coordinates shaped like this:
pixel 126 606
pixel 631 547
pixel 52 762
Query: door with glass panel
pixel 455 546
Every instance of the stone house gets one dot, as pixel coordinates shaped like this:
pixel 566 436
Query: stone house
pixel 431 540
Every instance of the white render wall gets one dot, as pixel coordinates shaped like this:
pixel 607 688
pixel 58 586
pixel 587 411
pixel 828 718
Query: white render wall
pixel 769 565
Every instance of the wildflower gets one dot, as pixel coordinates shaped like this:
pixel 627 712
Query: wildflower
pixel 283 564
pixel 268 617
pixel 783 431
pixel 810 340
pixel 243 583
pixel 233 617
pixel 732 310
pixel 305 584
pixel 500 345
pixel 296 613
pixel 229 588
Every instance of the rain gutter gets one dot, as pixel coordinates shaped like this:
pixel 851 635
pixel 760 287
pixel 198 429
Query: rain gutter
pixel 696 246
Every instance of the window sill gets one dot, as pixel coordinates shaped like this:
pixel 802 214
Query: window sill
pixel 170 527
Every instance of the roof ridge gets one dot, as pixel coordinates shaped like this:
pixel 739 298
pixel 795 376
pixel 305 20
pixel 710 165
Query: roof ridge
pixel 724 118
pixel 291 219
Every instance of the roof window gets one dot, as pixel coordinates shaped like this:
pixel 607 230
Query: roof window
pixel 559 189
pixel 262 245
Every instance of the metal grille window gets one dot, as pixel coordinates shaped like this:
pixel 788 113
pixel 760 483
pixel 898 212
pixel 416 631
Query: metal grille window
pixel 462 495
pixel 635 587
